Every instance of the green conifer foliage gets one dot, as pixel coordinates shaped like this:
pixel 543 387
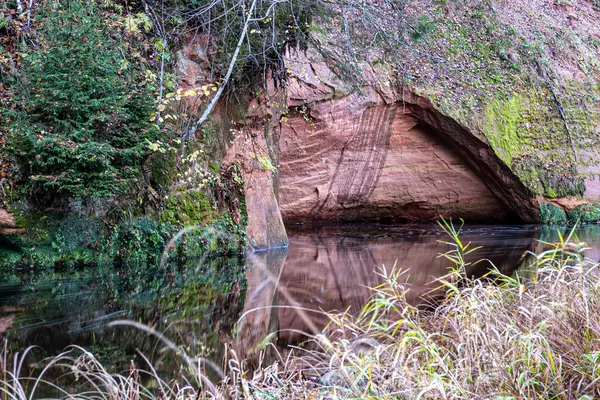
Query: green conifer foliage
pixel 83 111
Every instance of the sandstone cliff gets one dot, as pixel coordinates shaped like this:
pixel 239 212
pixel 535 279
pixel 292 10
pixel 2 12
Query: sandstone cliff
pixel 405 111
pixel 490 113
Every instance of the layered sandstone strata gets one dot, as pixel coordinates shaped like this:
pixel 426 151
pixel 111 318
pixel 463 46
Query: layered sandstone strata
pixel 356 161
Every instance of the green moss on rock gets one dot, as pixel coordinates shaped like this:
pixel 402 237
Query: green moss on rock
pixel 140 241
pixel 551 179
pixel 503 121
pixel 189 208
pixel 529 134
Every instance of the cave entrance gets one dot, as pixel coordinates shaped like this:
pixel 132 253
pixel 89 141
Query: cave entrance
pixel 384 163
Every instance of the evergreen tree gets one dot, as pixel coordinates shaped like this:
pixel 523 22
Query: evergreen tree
pixel 83 111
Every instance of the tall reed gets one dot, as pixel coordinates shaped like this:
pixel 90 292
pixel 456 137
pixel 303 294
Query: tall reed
pixel 534 335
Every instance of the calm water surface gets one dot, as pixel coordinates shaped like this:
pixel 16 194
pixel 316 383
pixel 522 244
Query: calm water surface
pixel 239 300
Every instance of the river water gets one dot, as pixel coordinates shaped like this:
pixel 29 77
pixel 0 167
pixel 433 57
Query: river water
pixel 239 300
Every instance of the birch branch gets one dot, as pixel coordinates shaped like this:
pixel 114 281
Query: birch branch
pixel 29 6
pixel 215 99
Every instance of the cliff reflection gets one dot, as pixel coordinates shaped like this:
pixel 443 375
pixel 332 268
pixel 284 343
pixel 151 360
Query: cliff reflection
pixel 333 269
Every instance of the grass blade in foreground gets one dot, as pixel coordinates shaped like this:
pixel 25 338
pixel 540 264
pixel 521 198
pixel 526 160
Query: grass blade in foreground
pixel 511 339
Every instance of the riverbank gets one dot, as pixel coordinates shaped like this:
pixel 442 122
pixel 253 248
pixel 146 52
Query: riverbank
pixel 532 335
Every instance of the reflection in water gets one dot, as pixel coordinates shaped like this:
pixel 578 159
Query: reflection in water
pixel 260 316
pixel 198 304
pixel 334 269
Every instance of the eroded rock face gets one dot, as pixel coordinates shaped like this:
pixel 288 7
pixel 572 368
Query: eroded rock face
pixel 344 153
pixel 265 227
pixel 249 145
pixel 7 220
pixel 383 152
pixel 351 161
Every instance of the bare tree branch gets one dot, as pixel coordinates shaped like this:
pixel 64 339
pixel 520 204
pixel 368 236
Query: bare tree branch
pixel 234 57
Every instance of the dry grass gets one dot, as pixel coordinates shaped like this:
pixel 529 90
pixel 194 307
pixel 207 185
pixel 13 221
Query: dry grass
pixel 496 338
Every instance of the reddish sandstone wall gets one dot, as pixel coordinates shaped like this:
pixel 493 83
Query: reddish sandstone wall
pixel 378 162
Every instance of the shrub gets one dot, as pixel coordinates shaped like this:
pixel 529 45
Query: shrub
pixel 552 215
pixel 585 213
pixel 82 110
